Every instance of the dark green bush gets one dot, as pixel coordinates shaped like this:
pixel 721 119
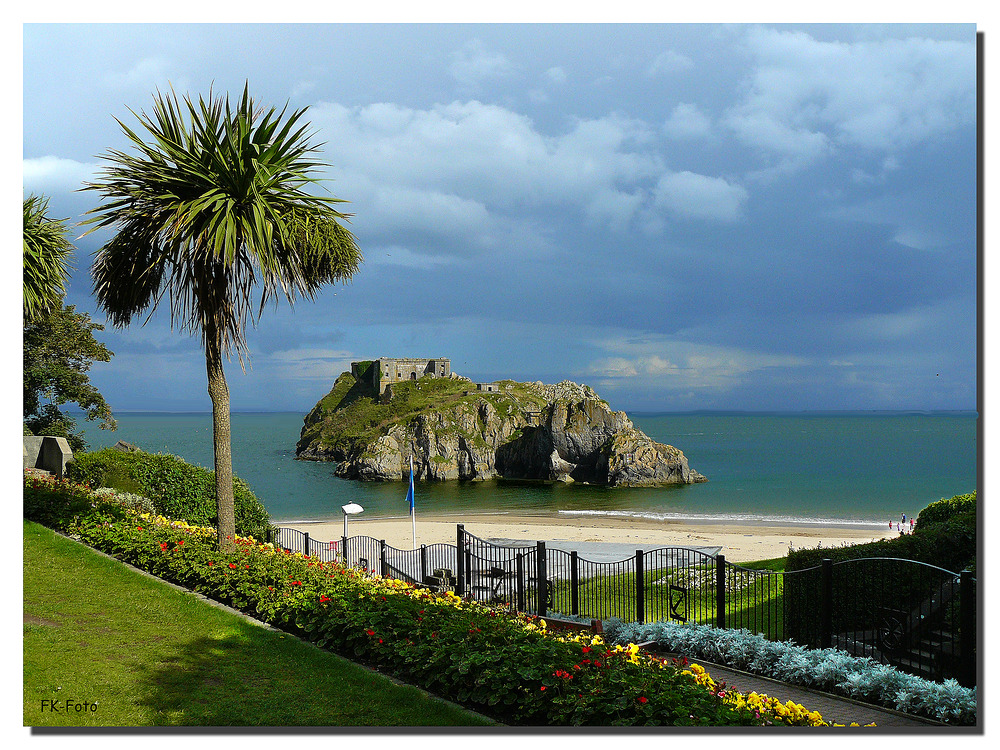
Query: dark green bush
pixel 946 508
pixel 178 489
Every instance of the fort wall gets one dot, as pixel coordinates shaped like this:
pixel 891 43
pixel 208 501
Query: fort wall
pixel 386 370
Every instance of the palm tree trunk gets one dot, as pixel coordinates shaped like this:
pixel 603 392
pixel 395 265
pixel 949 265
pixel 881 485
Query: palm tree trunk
pixel 218 391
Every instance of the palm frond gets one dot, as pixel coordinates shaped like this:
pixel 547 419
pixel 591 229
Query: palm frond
pixel 45 257
pixel 212 210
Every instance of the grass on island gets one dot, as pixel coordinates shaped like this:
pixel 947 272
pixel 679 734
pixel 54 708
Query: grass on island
pixel 353 414
pixel 121 649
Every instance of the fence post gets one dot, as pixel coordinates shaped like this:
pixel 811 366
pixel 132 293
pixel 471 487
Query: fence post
pixel 967 628
pixel 381 554
pixel 423 563
pixel 305 544
pixel 541 583
pixel 519 584
pixel 826 604
pixel 574 582
pixel 460 561
pixel 640 587
pixel 720 591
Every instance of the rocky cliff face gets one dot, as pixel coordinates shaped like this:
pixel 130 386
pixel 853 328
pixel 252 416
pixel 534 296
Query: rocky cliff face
pixel 562 432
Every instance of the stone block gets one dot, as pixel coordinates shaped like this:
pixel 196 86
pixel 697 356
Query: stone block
pixel 51 454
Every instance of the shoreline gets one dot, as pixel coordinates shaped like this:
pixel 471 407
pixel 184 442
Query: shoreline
pixel 740 541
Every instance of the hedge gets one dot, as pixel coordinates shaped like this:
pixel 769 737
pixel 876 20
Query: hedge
pixel 178 489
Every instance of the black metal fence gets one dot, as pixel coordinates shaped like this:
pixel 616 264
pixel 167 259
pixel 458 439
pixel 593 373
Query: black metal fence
pixel 916 617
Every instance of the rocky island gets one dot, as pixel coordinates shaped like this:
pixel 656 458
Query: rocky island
pixel 383 412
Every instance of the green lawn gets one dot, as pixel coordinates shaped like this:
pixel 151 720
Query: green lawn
pixel 107 646
pixel 756 605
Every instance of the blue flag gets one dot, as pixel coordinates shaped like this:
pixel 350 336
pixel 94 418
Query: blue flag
pixel 409 494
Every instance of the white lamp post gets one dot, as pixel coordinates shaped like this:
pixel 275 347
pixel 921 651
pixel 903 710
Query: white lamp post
pixel 349 510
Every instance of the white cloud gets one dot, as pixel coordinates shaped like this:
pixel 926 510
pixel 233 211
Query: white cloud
pixel 302 88
pixel 700 197
pixel 474 64
pixel 806 97
pixel 466 164
pixel 556 75
pixel 312 364
pixel 397 255
pixel 404 209
pixel 684 365
pixel 47 173
pixel 149 72
pixel 687 121
pixel 614 208
pixel 918 324
pixel 669 61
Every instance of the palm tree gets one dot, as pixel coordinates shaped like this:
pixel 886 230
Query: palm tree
pixel 211 212
pixel 45 258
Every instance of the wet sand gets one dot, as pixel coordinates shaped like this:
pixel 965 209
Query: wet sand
pixel 739 542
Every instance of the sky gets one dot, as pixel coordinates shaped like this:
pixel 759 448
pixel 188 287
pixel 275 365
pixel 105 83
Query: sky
pixel 684 216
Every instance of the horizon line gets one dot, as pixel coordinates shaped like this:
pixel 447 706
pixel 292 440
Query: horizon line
pixel 640 412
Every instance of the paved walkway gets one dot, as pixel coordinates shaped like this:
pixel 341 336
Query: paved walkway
pixel 834 709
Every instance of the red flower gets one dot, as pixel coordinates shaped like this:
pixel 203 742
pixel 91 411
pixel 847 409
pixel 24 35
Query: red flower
pixel 180 542
pixel 586 649
pixel 370 632
pixel 232 566
pixel 643 699
pixel 322 599
pixel 210 563
pixel 542 687
pixel 164 545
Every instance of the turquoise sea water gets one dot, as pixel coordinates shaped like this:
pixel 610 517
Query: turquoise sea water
pixel 803 468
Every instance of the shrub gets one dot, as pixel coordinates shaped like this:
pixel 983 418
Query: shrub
pixel 946 508
pixel 177 489
pixel 138 503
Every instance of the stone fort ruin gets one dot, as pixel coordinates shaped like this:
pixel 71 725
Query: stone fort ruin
pixel 388 370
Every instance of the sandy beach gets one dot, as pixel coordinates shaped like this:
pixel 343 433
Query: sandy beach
pixel 738 542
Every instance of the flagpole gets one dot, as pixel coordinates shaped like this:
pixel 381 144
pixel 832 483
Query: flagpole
pixel 413 509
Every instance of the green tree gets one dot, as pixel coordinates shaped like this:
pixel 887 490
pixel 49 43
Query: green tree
pixel 59 348
pixel 45 258
pixel 211 212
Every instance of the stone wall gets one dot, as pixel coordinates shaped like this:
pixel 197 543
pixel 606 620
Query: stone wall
pixel 388 370
pixel 47 453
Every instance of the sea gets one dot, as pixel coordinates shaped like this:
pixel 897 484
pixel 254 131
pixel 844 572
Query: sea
pixel 863 469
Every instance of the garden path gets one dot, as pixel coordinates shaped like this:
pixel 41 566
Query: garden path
pixel 833 708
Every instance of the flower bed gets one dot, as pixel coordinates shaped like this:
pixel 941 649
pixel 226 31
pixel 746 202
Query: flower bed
pixel 503 665
pixel 831 670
